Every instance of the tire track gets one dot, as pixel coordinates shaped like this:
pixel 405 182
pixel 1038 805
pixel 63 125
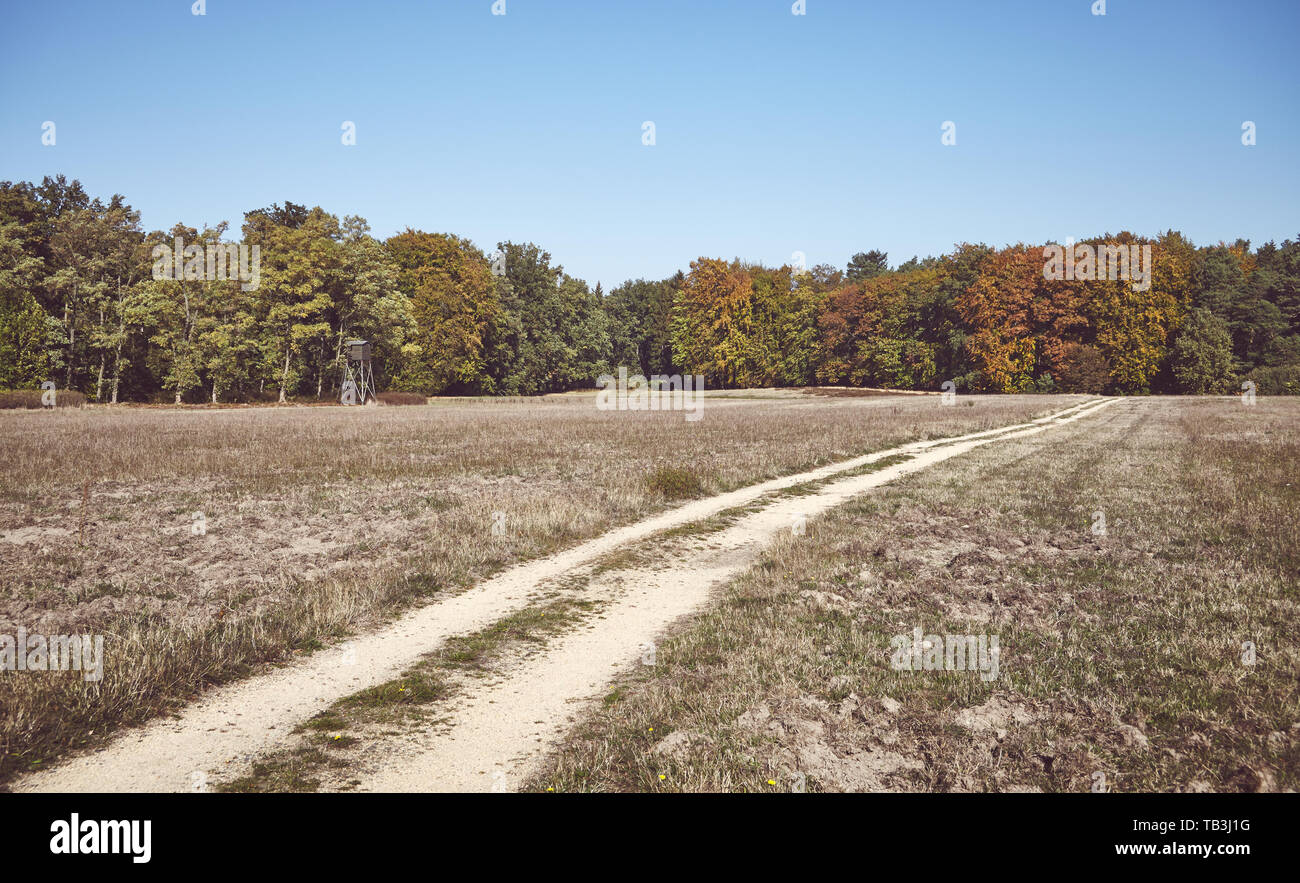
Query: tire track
pixel 499 733
pixel 224 729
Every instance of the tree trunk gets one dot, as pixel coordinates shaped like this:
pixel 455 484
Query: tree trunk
pixel 72 336
pixel 284 375
pixel 121 335
pixel 117 365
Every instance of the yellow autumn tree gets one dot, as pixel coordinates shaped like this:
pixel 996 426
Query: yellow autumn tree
pixel 712 319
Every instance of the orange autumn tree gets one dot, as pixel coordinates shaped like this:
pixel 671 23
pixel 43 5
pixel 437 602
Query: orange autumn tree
pixel 870 331
pixel 1058 316
pixel 999 310
pixel 1024 325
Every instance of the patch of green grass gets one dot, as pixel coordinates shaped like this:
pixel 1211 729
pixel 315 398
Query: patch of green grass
pixel 285 771
pixel 674 483
pixel 417 687
pixel 325 722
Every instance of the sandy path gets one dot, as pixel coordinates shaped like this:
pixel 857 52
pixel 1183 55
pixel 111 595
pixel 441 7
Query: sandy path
pixel 499 732
pixel 223 729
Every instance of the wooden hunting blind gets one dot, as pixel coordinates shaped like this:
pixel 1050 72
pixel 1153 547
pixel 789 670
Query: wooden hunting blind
pixel 358 378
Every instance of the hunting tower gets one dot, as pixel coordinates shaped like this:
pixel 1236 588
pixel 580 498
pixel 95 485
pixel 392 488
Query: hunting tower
pixel 358 378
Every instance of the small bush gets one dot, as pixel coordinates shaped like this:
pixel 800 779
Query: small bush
pixel 674 483
pixel 1082 368
pixel 394 397
pixel 31 398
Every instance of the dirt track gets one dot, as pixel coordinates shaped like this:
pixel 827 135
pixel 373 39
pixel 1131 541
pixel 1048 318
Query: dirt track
pixel 500 729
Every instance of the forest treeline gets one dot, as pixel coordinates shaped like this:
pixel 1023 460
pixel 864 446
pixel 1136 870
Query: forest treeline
pixel 79 305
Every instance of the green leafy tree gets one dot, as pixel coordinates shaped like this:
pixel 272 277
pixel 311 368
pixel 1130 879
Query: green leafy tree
pixel 172 312
pixel 24 324
pixel 299 260
pixel 871 331
pixel 553 335
pixel 638 315
pixel 370 304
pixel 453 303
pixel 865 265
pixel 1202 354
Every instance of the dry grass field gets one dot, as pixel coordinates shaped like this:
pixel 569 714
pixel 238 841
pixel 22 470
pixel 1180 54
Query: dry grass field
pixel 206 544
pixel 1155 654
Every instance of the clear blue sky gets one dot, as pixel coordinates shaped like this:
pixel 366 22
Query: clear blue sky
pixel 775 133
